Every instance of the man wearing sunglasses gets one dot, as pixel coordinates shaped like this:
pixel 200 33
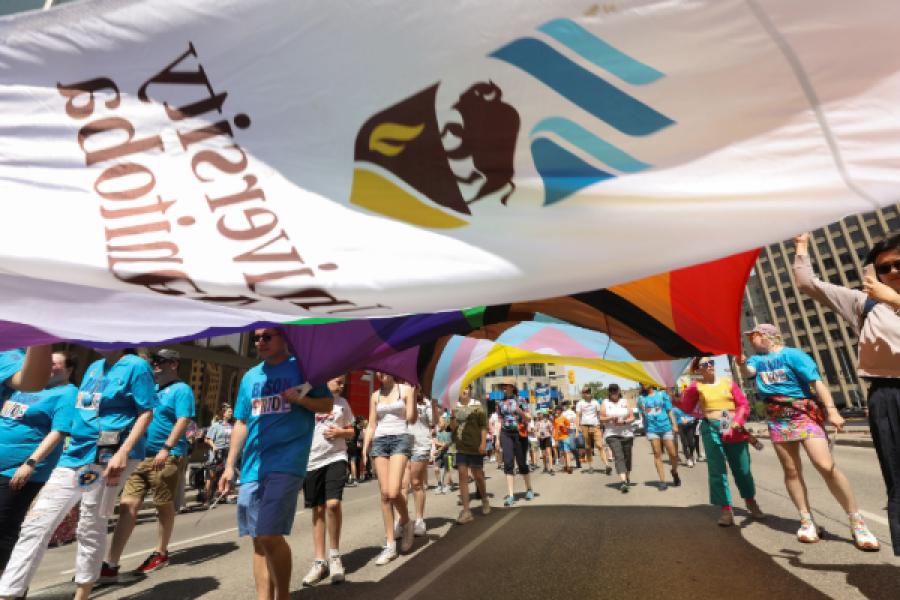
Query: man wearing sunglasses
pixel 162 453
pixel 274 423
pixel 874 315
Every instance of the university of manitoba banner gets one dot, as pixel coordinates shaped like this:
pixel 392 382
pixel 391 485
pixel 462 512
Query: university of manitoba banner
pixel 168 166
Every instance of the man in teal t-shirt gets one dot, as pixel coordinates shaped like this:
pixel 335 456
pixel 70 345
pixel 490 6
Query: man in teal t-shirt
pixel 162 454
pixel 273 427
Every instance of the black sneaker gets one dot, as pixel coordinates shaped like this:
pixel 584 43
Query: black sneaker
pixel 608 470
pixel 676 480
pixel 623 488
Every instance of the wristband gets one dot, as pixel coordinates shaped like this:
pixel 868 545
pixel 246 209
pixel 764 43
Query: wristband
pixel 167 447
pixel 31 462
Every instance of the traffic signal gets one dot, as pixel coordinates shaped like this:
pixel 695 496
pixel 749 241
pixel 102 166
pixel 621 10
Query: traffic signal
pixel 571 376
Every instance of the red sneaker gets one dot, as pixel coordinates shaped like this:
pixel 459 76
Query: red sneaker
pixel 108 574
pixel 154 562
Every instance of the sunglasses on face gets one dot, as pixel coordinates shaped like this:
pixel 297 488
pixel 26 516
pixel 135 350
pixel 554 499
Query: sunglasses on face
pixel 159 361
pixel 706 365
pixel 264 337
pixel 886 267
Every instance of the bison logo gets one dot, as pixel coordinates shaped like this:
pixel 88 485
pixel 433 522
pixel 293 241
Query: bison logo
pixel 404 160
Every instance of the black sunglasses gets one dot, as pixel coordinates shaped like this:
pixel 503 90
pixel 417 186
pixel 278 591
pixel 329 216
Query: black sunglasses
pixel 885 268
pixel 264 337
pixel 705 364
pixel 156 360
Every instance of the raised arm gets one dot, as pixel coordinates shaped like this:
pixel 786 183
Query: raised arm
pixel 690 399
pixel 844 301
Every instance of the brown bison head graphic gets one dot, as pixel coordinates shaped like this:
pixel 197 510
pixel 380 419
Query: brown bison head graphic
pixel 403 158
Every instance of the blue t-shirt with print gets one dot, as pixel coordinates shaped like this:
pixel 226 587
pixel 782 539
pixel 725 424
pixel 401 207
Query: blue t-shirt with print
pixel 279 434
pixel 681 416
pixel 508 415
pixel 173 402
pixel 656 410
pixel 110 399
pixel 10 363
pixel 25 420
pixel 788 372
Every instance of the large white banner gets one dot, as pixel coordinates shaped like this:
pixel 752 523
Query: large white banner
pixel 345 159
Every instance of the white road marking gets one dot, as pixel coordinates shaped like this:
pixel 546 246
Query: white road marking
pixel 205 536
pixel 873 517
pixel 423 583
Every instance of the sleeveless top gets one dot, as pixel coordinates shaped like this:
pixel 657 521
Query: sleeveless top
pixel 716 396
pixel 391 415
pixel 618 409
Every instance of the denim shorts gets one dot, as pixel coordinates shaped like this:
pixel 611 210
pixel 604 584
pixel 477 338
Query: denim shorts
pixel 390 445
pixel 473 461
pixel 267 506
pixel 665 435
pixel 422 457
pixel 563 446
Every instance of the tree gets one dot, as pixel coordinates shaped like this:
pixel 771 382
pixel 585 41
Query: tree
pixel 598 391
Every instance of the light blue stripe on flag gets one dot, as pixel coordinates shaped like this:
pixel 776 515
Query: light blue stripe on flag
pixel 600 149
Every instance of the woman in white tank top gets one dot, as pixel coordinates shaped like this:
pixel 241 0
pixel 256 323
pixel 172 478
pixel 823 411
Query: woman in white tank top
pixel 416 477
pixel 389 441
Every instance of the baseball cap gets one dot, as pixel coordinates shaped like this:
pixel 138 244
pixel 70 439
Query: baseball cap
pixel 764 329
pixel 167 354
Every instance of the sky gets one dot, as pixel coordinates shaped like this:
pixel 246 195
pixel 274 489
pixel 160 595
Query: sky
pixel 583 375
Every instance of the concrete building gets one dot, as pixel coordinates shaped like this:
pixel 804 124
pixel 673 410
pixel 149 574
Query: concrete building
pixel 837 252
pixel 531 378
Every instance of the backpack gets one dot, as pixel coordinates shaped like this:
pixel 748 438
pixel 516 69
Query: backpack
pixel 867 308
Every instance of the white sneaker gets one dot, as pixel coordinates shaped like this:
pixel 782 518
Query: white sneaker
pixel 317 573
pixel 862 537
pixel 336 568
pixel 485 508
pixel 406 543
pixel 808 532
pixel 419 528
pixel 465 516
pixel 387 555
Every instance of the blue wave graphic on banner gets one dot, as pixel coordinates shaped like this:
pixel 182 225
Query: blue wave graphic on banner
pixel 600 149
pixel 592 48
pixel 563 172
pixel 583 88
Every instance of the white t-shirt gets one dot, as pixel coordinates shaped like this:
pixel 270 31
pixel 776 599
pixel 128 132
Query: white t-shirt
pixel 589 411
pixel 570 415
pixel 324 452
pixel 422 429
pixel 619 410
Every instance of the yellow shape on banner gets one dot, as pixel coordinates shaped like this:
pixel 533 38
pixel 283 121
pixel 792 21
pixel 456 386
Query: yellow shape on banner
pixel 378 194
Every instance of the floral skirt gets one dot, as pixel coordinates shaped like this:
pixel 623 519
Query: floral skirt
pixel 794 419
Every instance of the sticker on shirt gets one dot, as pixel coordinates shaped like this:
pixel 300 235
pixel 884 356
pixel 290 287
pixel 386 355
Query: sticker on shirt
pixel 88 400
pixel 269 405
pixel 13 410
pixel 327 419
pixel 774 376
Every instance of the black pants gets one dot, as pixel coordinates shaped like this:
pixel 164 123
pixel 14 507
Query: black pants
pixel 688 434
pixel 621 449
pixel 13 507
pixel 884 423
pixel 513 447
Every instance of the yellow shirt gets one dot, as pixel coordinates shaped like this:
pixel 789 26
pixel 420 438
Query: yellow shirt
pixel 716 396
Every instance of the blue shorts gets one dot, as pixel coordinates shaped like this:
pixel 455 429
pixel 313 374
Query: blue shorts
pixel 563 446
pixel 390 445
pixel 473 461
pixel 267 506
pixel 665 435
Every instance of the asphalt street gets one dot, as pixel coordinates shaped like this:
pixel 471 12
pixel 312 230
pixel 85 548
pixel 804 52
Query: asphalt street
pixel 580 537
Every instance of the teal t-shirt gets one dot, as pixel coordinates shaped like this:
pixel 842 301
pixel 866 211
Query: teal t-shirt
pixel 656 411
pixel 110 399
pixel 279 434
pixel 789 372
pixel 173 402
pixel 25 420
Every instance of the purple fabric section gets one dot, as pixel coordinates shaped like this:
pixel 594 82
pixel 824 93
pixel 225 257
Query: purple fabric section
pixel 17 335
pixel 332 349
pixel 400 364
